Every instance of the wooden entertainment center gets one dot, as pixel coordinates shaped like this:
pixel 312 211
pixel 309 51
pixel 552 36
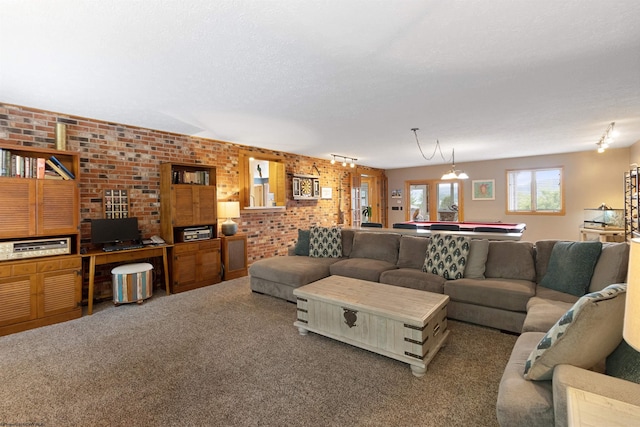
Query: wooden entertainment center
pixel 188 199
pixel 37 290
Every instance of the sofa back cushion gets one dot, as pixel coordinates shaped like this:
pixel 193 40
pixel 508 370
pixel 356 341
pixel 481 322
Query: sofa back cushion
pixel 611 266
pixel 510 260
pixel 412 252
pixel 372 245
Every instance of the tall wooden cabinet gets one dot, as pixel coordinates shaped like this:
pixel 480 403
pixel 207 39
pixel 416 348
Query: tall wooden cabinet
pixel 188 200
pixel 42 290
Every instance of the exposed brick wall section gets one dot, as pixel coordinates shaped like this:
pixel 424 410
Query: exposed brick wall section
pixel 116 156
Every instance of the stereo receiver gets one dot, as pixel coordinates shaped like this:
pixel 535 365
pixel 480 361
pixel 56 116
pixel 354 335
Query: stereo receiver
pixel 196 233
pixel 34 248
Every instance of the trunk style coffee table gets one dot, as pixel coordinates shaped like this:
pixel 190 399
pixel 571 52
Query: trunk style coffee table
pixel 405 324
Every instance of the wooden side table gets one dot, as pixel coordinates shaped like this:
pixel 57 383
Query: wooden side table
pixel 234 256
pixel 589 409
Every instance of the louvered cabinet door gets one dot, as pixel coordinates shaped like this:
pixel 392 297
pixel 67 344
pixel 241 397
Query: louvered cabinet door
pixel 58 292
pixel 58 208
pixel 59 285
pixel 17 207
pixel 17 298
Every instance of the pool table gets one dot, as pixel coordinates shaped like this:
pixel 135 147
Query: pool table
pixel 478 227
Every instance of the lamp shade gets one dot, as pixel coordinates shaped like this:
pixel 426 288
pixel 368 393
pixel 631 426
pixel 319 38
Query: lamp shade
pixel 228 210
pixel 631 331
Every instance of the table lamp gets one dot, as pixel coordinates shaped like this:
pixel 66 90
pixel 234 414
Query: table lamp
pixel 229 210
pixel 631 331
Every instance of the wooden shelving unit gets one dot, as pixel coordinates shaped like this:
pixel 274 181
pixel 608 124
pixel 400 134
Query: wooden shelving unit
pixel 631 202
pixel 38 291
pixel 188 199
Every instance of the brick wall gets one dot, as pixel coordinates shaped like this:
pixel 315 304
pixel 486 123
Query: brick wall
pixel 117 156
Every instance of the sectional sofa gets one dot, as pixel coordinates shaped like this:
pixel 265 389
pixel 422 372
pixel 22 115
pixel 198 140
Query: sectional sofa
pixel 501 286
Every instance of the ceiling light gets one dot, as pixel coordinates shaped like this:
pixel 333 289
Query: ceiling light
pixel 452 173
pixel 607 137
pixel 352 160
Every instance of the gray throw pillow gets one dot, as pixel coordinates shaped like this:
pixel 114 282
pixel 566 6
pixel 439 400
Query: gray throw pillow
pixel 477 259
pixel 571 266
pixel 302 245
pixel 624 363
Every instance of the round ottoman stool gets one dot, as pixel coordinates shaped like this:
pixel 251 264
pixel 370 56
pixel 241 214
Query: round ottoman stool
pixel 132 283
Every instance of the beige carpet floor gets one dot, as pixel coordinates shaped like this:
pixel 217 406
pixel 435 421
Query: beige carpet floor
pixel 223 356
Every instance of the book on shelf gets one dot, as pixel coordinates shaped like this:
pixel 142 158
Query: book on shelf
pixel 40 167
pixel 55 167
pixel 61 166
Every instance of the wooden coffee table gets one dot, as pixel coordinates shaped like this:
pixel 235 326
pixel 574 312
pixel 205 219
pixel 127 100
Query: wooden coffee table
pixel 401 323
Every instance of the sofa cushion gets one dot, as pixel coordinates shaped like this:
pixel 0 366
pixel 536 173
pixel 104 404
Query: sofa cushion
pixel 374 245
pixel 611 266
pixel 447 255
pixel 361 268
pixel 477 259
pixel 302 245
pixel 505 294
pixel 325 242
pixel 624 363
pixel 571 266
pixel 542 314
pixel 292 270
pixel 414 279
pixel 412 251
pixel 521 402
pixel 583 336
pixel 510 260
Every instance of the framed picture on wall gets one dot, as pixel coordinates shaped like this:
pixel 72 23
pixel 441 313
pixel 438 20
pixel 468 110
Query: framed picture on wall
pixel 483 189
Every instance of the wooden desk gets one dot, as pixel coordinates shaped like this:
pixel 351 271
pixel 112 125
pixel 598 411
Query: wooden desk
pixel 99 257
pixel 586 409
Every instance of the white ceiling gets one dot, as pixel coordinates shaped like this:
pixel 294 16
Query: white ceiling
pixel 490 78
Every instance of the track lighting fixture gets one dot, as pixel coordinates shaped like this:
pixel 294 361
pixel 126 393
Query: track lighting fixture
pixel 350 160
pixel 607 138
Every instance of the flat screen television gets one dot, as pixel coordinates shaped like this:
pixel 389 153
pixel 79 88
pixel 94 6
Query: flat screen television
pixel 109 231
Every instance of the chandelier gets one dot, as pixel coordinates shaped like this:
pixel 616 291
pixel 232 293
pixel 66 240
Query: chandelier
pixel 452 173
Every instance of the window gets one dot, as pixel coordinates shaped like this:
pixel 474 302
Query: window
pixel 434 200
pixel 535 191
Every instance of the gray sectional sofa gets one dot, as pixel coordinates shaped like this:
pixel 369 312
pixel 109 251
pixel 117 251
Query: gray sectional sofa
pixel 501 288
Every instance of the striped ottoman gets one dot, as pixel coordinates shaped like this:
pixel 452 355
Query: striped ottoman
pixel 132 283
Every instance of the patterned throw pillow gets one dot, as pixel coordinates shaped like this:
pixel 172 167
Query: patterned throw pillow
pixel 583 336
pixel 447 256
pixel 325 242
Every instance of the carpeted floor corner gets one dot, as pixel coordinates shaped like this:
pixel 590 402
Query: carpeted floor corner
pixel 223 356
